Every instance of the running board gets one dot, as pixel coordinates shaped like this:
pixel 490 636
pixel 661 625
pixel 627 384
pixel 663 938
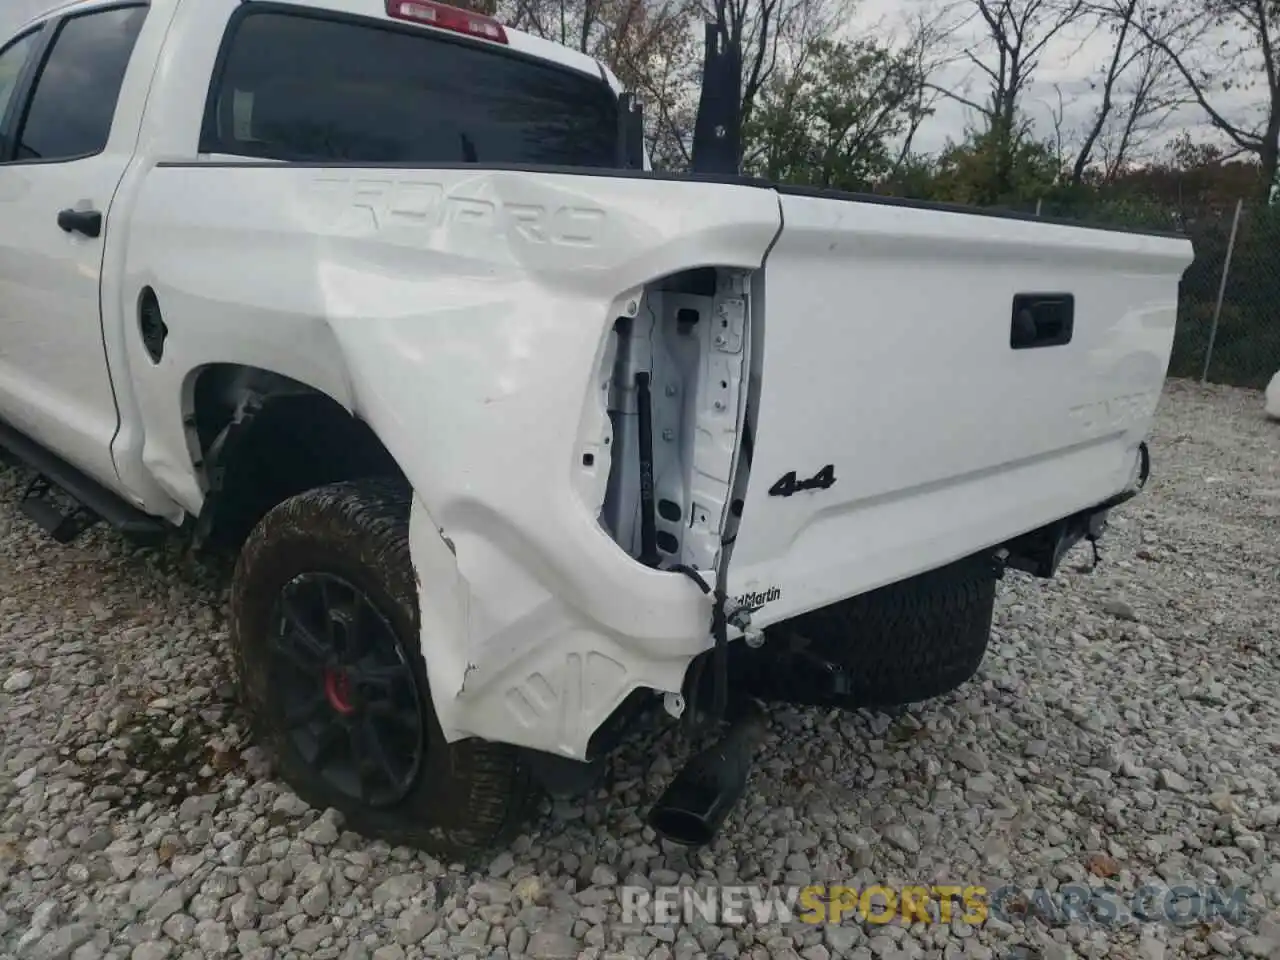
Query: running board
pixel 92 501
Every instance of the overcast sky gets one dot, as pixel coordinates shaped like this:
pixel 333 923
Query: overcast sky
pixel 14 12
pixel 1069 63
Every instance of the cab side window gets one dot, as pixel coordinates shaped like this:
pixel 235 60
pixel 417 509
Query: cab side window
pixel 74 100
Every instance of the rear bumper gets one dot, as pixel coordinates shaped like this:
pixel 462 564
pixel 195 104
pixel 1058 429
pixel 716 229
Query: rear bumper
pixel 1041 551
pixel 554 680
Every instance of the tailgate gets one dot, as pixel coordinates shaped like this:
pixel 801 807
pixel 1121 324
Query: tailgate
pixel 887 365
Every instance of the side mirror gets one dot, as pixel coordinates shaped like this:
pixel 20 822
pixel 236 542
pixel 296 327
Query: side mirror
pixel 630 132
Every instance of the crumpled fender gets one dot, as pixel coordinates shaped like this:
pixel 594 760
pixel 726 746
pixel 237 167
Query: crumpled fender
pixel 474 367
pixel 462 314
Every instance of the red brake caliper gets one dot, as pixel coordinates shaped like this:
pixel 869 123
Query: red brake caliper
pixel 337 687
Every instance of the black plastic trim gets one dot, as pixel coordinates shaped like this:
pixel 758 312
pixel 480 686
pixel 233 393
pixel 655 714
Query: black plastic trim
pixel 210 142
pixel 938 206
pixel 17 106
pixel 258 163
pixel 79 486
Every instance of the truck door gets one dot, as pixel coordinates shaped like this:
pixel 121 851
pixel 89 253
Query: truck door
pixel 60 163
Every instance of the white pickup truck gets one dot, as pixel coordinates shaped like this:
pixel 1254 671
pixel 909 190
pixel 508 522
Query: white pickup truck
pixel 512 437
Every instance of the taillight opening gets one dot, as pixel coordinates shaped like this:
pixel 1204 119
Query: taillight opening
pixel 444 17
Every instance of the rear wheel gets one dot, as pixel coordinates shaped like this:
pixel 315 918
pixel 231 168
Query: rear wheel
pixel 908 641
pixel 325 634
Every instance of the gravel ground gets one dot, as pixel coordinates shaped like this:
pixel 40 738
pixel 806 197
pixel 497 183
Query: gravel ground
pixel 1124 730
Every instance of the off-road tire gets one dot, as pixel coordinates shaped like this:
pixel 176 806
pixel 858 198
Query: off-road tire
pixel 909 641
pixel 468 796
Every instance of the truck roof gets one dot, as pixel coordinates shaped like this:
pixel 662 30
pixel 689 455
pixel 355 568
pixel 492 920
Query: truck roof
pixel 517 40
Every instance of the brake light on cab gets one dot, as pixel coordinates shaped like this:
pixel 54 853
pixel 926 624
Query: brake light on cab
pixel 444 17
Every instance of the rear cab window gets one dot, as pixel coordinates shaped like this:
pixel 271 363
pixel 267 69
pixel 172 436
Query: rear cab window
pixel 304 86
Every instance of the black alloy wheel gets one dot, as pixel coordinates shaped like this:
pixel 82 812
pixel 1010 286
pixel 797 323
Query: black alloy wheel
pixel 348 696
pixel 326 636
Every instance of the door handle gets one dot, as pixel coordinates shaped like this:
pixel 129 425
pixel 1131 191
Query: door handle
pixel 87 222
pixel 1042 320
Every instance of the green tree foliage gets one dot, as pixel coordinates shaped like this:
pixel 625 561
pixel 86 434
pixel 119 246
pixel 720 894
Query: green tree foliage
pixel 986 170
pixel 833 121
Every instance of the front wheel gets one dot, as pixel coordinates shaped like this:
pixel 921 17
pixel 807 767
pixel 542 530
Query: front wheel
pixel 325 636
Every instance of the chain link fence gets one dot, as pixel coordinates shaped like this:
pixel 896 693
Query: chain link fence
pixel 1229 299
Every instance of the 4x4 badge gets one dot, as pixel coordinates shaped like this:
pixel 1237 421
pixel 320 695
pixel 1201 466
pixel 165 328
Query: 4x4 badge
pixel 788 484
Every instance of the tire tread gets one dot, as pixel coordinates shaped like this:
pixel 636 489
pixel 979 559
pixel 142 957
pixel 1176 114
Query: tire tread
pixel 909 641
pixel 467 801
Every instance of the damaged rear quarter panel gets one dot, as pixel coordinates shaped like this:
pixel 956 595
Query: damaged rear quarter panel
pixel 461 313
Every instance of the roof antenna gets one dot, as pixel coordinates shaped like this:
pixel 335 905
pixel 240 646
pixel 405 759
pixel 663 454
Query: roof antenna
pixel 717 133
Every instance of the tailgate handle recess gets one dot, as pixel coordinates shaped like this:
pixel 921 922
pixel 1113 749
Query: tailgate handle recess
pixel 1041 320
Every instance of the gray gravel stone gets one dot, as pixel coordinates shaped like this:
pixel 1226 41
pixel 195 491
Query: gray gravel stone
pixel 323 832
pixel 179 928
pixel 309 938
pixel 902 837
pixel 1119 609
pixel 213 938
pixel 840 938
pixel 247 941
pixel 501 865
pixel 973 760
pixel 316 900
pixel 290 804
pixel 1218 943
pixel 147 891
pixel 518 940
pixel 548 945
pixel 197 806
pixel 412 926
pixel 1172 780
pixel 169 903
pixel 1087 733
pixel 1252 946
pixel 401 887
pixel 603 876
pixel 58 944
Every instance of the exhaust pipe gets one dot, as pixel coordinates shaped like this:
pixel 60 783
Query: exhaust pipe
pixel 693 808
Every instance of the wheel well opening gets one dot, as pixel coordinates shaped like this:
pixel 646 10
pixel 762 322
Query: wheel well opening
pixel 260 438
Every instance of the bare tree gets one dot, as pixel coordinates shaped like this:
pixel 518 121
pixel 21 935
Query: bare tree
pixel 1015 35
pixel 1058 118
pixel 625 34
pixel 1145 102
pixel 1224 50
pixel 926 50
pixel 669 87
pixel 1134 91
